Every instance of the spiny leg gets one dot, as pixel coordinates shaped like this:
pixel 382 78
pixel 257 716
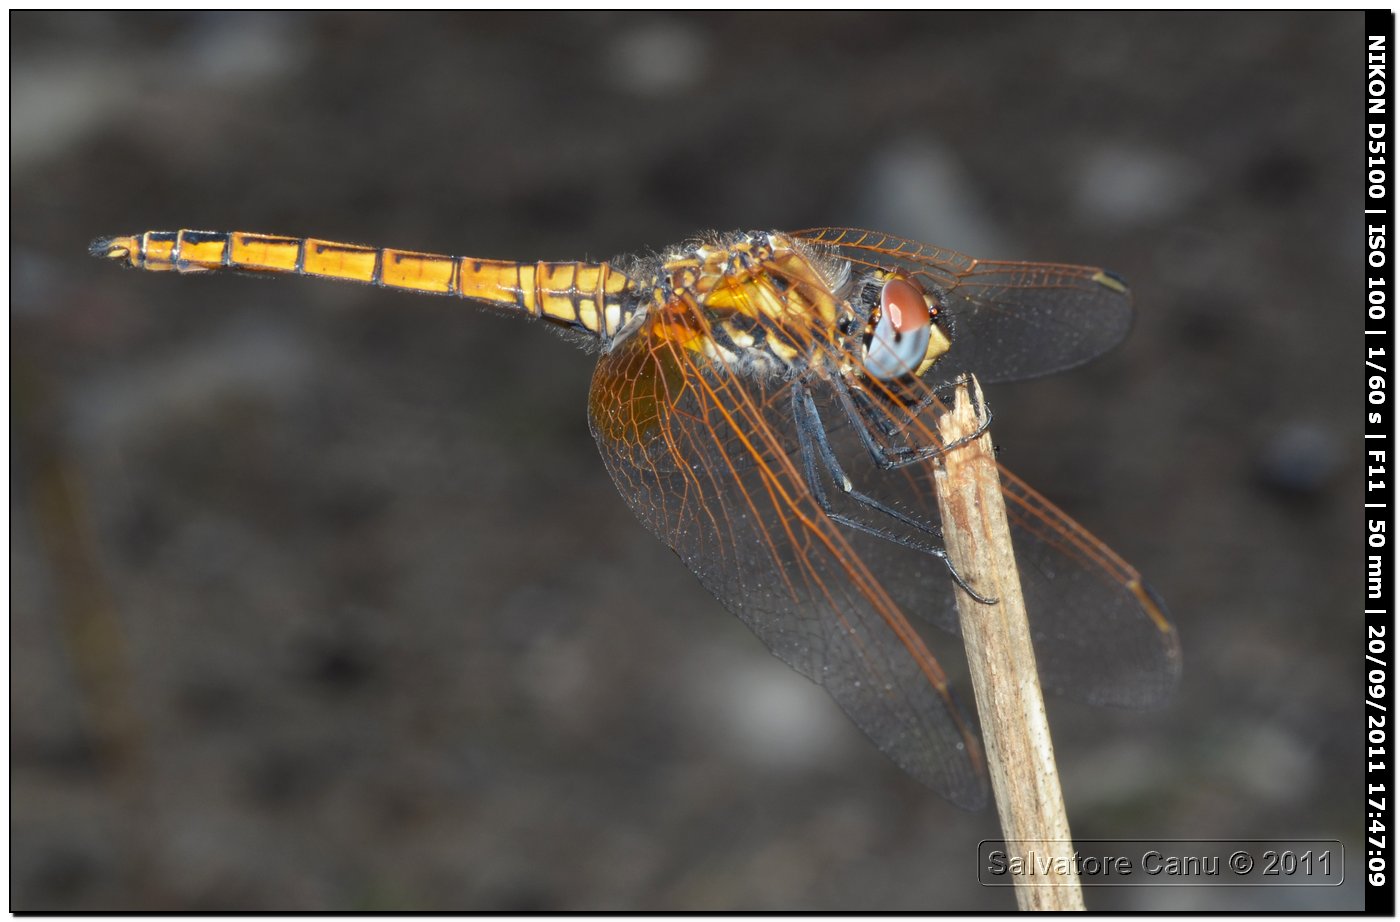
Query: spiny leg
pixel 888 457
pixel 812 442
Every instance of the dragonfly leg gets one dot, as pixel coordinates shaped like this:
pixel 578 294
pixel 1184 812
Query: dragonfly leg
pixel 892 456
pixel 813 435
pixel 979 408
pixel 861 421
pixel 813 442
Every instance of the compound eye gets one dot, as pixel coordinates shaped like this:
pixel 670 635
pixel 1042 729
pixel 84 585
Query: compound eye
pixel 899 343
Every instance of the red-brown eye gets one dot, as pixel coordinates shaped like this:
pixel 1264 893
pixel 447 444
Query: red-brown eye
pixel 899 342
pixel 903 303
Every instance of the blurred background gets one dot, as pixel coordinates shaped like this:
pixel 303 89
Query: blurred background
pixel 322 599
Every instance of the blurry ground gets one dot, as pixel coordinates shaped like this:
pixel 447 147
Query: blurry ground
pixel 320 595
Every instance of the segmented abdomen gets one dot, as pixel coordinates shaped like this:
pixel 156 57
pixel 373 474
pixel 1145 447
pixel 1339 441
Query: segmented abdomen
pixel 589 297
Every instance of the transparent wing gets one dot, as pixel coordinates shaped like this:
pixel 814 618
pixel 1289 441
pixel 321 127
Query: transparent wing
pixel 1101 634
pixel 1006 320
pixel 708 461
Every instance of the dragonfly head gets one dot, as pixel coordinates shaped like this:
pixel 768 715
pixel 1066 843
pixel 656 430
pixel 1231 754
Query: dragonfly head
pixel 902 337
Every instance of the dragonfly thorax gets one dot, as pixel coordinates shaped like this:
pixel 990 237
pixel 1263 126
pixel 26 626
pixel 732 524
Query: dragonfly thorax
pixel 756 302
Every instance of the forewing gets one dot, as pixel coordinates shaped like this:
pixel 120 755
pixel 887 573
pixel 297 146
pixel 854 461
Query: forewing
pixel 1006 320
pixel 708 461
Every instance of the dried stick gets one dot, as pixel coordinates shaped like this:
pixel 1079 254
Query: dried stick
pixel 1020 758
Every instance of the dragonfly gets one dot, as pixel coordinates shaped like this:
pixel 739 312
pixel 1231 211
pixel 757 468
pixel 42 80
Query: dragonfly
pixel 767 404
